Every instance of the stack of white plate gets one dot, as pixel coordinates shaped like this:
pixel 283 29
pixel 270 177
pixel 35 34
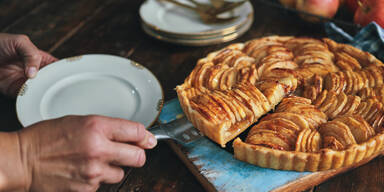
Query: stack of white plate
pixel 171 23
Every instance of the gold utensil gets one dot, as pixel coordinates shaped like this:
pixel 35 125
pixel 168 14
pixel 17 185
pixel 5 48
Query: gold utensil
pixel 209 13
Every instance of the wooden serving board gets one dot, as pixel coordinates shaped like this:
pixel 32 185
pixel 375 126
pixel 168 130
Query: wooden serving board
pixel 217 170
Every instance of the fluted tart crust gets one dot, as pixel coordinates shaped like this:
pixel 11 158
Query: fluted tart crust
pixel 320 102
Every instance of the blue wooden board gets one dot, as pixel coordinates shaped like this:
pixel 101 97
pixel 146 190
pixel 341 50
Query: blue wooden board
pixel 221 170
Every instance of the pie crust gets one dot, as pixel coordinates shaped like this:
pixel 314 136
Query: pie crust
pixel 317 104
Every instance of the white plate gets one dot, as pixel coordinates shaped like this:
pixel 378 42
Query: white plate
pixel 203 41
pixel 170 18
pixel 91 84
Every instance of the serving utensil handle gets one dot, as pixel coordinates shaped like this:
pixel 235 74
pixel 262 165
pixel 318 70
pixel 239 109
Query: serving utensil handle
pixel 159 132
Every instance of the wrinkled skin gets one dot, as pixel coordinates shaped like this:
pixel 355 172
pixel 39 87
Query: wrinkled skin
pixel 72 153
pixel 77 153
pixel 19 59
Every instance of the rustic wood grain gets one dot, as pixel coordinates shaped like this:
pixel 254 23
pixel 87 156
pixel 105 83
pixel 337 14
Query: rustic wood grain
pixel 52 21
pixel 74 27
pixel 369 177
pixel 13 11
pixel 319 177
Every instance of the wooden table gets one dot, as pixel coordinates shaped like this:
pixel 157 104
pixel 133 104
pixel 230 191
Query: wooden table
pixel 73 27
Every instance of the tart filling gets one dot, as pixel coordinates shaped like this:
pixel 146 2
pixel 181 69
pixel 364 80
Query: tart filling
pixel 328 99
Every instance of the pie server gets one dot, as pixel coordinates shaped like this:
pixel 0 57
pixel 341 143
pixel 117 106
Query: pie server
pixel 180 130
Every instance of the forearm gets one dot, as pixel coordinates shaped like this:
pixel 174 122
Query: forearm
pixel 12 176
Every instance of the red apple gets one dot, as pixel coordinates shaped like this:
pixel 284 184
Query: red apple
pixel 368 11
pixel 324 8
pixel 352 5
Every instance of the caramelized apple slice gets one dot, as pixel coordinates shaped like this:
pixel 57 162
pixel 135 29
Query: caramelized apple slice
pixel 215 76
pixel 302 140
pixel 341 102
pixel 338 130
pixel 293 43
pixel 318 82
pixel 331 82
pixel 375 109
pixel 364 78
pixel 228 110
pixel 200 76
pixel 270 140
pixel 228 79
pixel 378 122
pixel 376 72
pixel 287 134
pixel 316 69
pixel 360 129
pixel 314 143
pixel 349 82
pixel 321 98
pixel 329 101
pixel 343 82
pixel 256 93
pixel 248 107
pixel 308 141
pixel 352 62
pixel 332 45
pixel 366 93
pixel 352 104
pixel 241 111
pixel 310 92
pixel 379 92
pixel 359 82
pixel 204 111
pixel 230 104
pixel 281 64
pixel 332 143
pixel 299 120
pixel 248 75
pixel 364 113
pixel 313 116
pixel 343 65
pixel 334 104
pixel 274 91
pixel 292 100
pixel 370 78
pixel 279 73
pixel 250 102
pixel 360 108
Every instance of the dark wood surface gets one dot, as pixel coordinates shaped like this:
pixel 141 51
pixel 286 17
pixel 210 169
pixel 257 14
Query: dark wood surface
pixel 73 27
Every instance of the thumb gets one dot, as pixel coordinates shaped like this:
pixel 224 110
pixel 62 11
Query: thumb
pixel 30 55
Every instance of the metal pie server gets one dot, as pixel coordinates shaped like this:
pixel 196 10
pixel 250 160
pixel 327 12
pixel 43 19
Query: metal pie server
pixel 180 130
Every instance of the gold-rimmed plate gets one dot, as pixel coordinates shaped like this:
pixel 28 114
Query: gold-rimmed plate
pixel 199 41
pixel 167 18
pixel 91 84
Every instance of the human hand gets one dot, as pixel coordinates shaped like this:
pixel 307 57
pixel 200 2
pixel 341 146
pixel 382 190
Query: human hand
pixel 77 153
pixel 20 59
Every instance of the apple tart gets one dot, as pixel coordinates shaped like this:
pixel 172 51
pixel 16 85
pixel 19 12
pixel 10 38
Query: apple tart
pixel 314 104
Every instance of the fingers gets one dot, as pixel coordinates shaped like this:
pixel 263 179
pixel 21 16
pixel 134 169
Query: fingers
pixel 122 154
pixel 112 174
pixel 30 54
pixel 127 131
pixel 46 58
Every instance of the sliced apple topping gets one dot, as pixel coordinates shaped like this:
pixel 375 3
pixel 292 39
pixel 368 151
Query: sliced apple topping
pixel 346 62
pixel 360 129
pixel 339 131
pixel 308 140
pixel 292 116
pixel 297 119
